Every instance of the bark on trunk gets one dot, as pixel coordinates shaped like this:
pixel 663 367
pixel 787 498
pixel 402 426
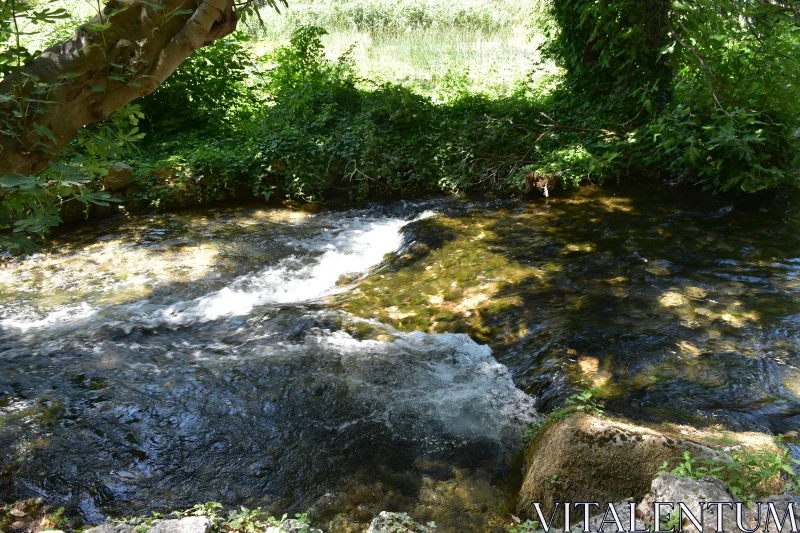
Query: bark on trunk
pixel 144 45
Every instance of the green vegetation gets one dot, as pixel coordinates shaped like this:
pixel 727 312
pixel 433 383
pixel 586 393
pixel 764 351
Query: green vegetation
pixel 741 470
pixel 418 43
pixel 586 402
pixel 528 526
pixel 243 520
pixel 416 97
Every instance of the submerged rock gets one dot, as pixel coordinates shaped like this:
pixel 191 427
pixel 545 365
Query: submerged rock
pixel 590 459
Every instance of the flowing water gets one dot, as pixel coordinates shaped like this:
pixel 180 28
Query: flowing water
pixel 282 359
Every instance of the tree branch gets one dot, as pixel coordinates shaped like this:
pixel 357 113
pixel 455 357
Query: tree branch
pixel 149 41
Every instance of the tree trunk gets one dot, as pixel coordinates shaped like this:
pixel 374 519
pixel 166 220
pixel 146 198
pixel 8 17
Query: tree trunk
pixel 98 71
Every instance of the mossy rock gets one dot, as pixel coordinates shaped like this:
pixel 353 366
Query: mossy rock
pixel 586 458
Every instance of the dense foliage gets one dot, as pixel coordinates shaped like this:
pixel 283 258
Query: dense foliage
pixel 703 91
pixel 698 91
pixel 321 130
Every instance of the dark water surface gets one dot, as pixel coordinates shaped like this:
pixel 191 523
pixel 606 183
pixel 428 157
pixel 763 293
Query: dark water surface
pixel 164 361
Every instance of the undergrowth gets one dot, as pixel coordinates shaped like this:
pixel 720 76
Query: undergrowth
pixel 741 470
pixel 243 520
pixel 318 132
pixel 702 93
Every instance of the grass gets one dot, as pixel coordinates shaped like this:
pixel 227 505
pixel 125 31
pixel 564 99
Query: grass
pixel 398 16
pixel 431 46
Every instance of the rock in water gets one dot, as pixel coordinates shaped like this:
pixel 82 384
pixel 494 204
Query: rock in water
pixel 119 176
pixel 396 523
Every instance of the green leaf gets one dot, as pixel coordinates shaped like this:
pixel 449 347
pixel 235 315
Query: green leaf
pixel 44 131
pixel 97 27
pixel 18 181
pixel 101 198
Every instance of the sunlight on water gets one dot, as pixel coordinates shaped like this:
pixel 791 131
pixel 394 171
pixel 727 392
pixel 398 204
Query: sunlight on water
pixel 342 247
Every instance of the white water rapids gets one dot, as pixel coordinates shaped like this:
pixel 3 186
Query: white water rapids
pixel 351 246
pixel 233 388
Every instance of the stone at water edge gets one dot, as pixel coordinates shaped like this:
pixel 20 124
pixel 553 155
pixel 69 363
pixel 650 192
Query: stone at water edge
pixel 667 488
pixel 119 176
pixel 387 522
pixel 691 492
pixel 672 489
pixel 781 502
pixel 112 528
pixel 623 512
pixel 590 459
pixel 190 524
pixel 292 526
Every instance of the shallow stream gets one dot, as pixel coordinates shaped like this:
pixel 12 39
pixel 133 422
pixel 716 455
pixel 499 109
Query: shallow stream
pixel 269 357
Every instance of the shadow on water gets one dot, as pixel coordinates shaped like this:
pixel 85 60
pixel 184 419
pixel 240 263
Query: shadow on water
pixel 677 308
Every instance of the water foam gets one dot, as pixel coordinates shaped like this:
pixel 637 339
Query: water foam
pixel 428 385
pixel 67 314
pixel 348 246
pixel 350 249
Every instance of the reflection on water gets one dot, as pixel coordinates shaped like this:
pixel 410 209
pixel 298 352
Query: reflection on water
pixel 273 358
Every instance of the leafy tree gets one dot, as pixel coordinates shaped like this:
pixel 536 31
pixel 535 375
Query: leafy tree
pixel 697 90
pixel 46 98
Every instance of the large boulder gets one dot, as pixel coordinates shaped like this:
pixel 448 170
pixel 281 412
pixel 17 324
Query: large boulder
pixel 585 458
pixel 120 175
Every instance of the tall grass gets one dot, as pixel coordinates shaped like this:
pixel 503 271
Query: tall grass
pixel 399 16
pixel 430 46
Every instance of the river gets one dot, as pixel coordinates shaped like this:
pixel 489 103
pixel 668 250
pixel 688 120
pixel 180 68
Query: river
pixel 353 361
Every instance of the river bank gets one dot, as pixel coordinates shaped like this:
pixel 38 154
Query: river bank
pixel 572 459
